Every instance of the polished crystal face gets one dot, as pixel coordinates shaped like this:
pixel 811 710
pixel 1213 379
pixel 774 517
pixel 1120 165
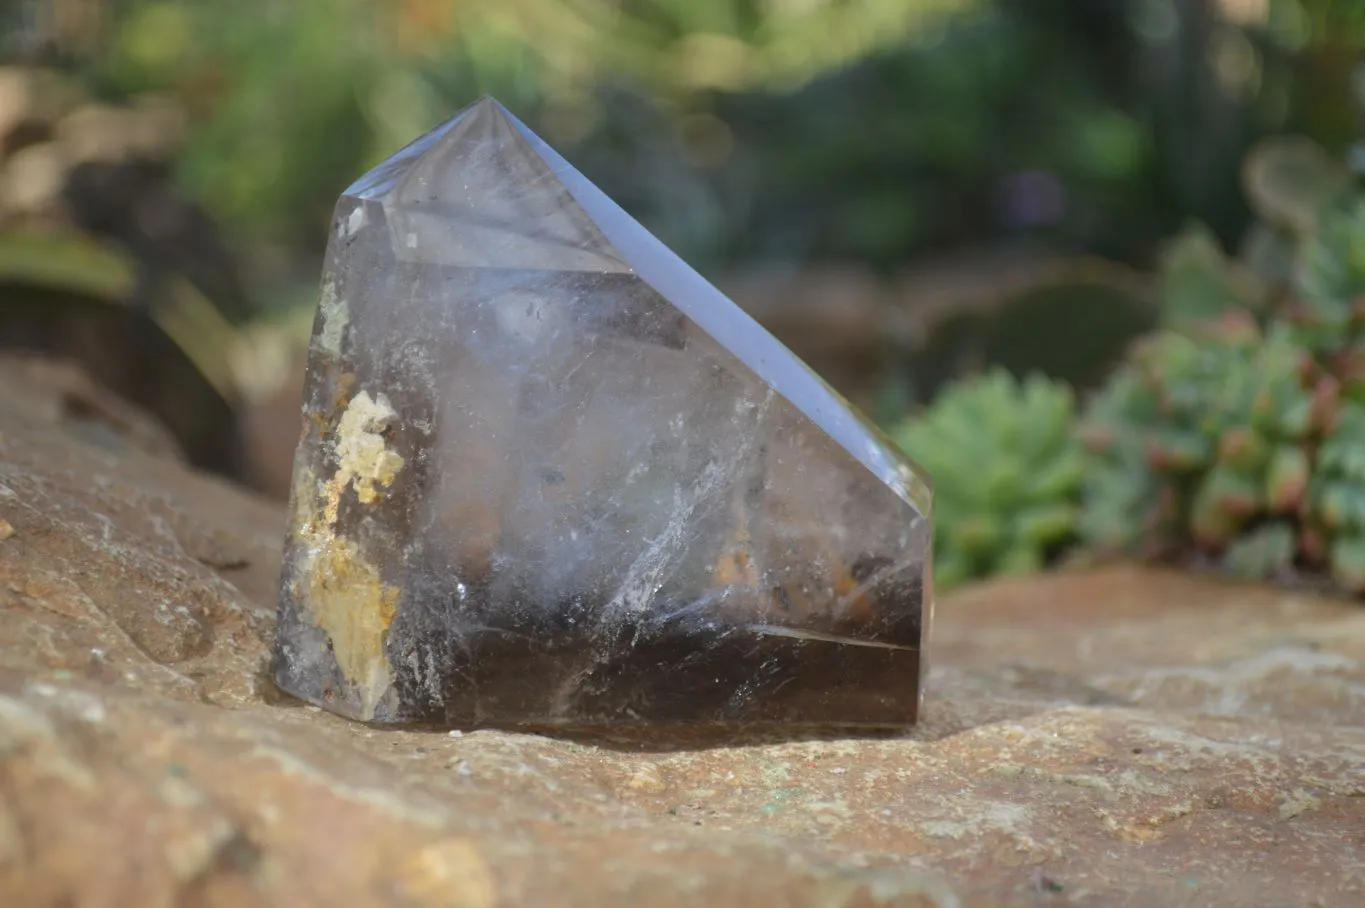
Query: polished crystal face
pixel 551 476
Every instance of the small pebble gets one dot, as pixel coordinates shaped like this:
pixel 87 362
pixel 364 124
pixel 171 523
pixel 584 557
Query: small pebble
pixel 6 529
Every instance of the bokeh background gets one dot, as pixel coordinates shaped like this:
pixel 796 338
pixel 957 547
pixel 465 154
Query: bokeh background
pixel 905 191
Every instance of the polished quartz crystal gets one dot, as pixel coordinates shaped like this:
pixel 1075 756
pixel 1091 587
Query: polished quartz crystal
pixel 550 476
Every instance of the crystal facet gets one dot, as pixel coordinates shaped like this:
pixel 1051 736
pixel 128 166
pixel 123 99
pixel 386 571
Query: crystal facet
pixel 549 475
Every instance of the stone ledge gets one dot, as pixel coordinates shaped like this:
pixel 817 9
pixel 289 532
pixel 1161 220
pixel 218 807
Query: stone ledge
pixel 1117 737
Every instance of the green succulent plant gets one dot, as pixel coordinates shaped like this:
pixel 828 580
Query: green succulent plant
pixel 1007 474
pixel 1239 429
pixel 1236 430
pixel 1334 530
pixel 1124 508
pixel 1199 283
pixel 1327 305
pixel 1207 439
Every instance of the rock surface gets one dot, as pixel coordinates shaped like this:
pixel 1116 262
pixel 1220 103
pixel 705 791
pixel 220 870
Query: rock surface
pixel 1117 737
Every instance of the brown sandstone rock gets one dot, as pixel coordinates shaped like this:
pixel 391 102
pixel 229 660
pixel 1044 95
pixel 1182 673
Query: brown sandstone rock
pixel 1119 737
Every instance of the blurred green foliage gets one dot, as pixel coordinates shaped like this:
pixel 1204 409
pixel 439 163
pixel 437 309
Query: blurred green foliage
pixel 294 99
pixel 876 131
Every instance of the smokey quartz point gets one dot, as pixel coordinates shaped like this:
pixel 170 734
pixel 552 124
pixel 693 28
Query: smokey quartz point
pixel 550 476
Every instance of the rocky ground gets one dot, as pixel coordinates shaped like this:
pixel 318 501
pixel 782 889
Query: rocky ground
pixel 1117 737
